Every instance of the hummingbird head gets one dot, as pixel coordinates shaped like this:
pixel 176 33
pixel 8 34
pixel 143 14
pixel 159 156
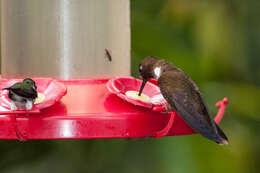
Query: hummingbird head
pixel 146 70
pixel 30 82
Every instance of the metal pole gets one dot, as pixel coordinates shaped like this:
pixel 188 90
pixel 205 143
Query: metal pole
pixel 65 39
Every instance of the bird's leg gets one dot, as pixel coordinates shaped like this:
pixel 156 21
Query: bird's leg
pixel 168 109
pixel 13 106
pixel 28 105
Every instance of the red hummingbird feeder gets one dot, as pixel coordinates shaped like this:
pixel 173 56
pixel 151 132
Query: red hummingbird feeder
pixel 74 62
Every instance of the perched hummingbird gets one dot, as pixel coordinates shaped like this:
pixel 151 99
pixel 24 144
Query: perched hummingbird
pixel 182 95
pixel 22 94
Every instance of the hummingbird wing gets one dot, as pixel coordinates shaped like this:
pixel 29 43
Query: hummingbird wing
pixel 184 97
pixel 197 121
pixel 21 90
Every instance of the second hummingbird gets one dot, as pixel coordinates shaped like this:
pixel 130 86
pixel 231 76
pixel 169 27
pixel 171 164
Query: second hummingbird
pixel 183 96
pixel 22 94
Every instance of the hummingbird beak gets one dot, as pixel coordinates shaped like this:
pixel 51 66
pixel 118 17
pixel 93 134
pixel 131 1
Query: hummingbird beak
pixel 142 86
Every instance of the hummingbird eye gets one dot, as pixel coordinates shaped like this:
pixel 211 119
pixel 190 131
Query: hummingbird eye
pixel 140 68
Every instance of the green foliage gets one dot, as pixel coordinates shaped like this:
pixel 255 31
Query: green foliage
pixel 217 44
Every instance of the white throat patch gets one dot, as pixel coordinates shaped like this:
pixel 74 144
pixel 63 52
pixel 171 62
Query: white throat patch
pixel 157 72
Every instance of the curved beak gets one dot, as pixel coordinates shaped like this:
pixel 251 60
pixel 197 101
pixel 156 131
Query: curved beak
pixel 142 86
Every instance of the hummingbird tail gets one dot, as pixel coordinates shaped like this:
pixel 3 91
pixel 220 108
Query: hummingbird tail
pixel 223 140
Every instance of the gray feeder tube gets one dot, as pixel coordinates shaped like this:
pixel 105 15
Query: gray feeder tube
pixel 65 39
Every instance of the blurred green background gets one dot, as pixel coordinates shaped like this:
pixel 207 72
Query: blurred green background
pixel 217 43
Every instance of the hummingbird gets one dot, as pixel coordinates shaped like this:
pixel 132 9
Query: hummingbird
pixel 183 96
pixel 22 94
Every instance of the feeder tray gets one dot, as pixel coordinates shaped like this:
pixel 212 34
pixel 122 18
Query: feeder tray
pixel 95 109
pixel 52 91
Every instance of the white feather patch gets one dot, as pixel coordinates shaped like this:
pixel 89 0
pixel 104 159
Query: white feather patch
pixel 157 72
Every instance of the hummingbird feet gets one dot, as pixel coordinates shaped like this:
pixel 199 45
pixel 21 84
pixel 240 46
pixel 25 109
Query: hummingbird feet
pixel 13 106
pixel 167 109
pixel 28 105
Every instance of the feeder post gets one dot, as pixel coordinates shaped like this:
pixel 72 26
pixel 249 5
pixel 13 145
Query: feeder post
pixel 65 39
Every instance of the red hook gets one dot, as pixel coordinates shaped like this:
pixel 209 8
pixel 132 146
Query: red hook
pixel 19 135
pixel 222 107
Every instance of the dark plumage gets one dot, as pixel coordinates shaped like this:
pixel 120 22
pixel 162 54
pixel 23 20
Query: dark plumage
pixel 182 95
